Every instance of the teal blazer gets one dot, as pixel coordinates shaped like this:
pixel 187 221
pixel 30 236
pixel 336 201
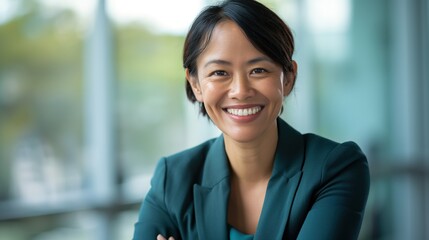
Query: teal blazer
pixel 318 190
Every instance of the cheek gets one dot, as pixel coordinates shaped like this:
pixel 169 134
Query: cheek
pixel 274 90
pixel 212 89
pixel 208 92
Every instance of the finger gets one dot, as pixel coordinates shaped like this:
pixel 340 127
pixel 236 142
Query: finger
pixel 171 238
pixel 160 237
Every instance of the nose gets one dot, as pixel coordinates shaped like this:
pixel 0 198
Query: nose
pixel 241 88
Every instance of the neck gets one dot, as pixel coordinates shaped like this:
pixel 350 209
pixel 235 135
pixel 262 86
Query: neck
pixel 252 161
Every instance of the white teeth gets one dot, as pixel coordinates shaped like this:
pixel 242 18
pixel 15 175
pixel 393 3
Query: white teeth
pixel 244 112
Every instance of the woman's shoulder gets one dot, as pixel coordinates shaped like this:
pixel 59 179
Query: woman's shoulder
pixel 184 168
pixel 314 146
pixel 330 158
pixel 175 175
pixel 321 146
pixel 190 157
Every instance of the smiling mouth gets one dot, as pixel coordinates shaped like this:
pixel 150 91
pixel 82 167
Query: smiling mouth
pixel 244 111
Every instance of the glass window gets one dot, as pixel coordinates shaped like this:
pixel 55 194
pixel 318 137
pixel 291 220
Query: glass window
pixel 41 76
pixel 41 115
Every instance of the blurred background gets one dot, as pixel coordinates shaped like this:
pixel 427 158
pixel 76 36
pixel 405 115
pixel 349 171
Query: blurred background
pixel 92 95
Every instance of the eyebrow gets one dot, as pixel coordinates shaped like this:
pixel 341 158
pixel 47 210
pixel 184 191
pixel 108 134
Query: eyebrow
pixel 251 61
pixel 260 59
pixel 217 61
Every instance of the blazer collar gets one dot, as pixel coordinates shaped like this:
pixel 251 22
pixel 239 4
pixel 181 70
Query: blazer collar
pixel 216 167
pixel 284 181
pixel 211 197
pixel 289 157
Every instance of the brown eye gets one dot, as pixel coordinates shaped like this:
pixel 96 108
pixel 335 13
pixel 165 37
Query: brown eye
pixel 258 71
pixel 218 73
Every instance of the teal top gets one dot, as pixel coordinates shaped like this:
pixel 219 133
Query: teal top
pixel 234 234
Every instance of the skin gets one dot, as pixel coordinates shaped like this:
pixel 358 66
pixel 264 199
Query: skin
pixel 160 237
pixel 232 74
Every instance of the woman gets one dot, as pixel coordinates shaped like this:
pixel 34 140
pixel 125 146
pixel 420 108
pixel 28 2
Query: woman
pixel 260 179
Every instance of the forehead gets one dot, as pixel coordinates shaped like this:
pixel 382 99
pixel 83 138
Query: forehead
pixel 229 42
pixel 227 28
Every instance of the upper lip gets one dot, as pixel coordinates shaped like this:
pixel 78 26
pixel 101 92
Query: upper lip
pixel 242 106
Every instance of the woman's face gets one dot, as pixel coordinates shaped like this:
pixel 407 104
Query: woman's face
pixel 242 89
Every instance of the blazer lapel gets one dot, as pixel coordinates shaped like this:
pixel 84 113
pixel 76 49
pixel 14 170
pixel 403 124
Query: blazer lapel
pixel 211 211
pixel 211 197
pixel 283 184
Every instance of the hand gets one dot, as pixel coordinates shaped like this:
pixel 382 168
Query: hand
pixel 160 237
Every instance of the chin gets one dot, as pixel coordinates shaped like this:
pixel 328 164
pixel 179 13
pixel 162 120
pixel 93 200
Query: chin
pixel 242 135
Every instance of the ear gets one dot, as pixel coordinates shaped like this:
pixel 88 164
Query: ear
pixel 195 85
pixel 290 78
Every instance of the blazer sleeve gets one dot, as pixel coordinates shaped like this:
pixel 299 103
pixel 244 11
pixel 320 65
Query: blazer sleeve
pixel 153 217
pixel 340 200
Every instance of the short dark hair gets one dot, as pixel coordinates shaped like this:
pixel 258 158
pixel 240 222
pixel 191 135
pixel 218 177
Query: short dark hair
pixel 264 29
